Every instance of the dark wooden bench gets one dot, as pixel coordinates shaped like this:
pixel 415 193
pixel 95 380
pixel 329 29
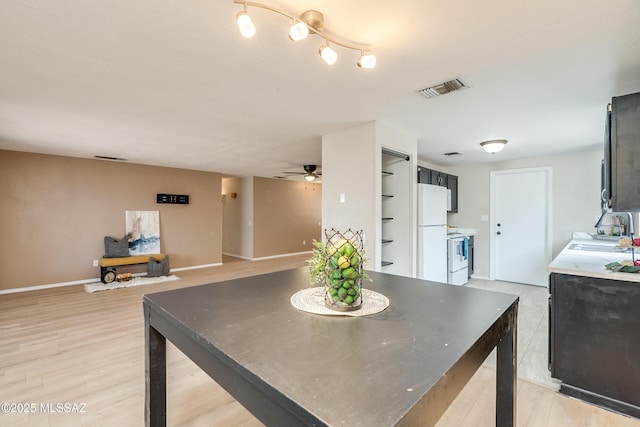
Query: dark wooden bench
pixel 108 265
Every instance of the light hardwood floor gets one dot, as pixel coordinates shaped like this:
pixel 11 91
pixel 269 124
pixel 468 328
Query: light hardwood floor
pixel 67 346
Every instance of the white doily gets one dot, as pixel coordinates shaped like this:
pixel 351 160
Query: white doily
pixel 311 300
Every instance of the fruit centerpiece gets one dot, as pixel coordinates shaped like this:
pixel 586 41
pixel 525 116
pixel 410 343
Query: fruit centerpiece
pixel 338 265
pixel 629 265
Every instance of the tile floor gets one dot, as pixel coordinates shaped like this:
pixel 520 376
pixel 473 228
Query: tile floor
pixel 533 329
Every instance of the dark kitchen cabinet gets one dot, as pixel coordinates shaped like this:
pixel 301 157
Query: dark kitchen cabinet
pixel 438 178
pixel 424 175
pixel 433 177
pixel 593 340
pixel 621 191
pixel 452 184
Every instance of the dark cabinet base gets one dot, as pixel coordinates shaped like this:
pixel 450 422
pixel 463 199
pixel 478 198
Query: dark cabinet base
pixel 600 400
pixel 594 340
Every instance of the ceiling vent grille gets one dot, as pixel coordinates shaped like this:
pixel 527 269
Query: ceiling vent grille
pixel 443 88
pixel 117 159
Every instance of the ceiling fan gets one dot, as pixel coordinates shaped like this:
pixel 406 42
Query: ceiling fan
pixel 309 173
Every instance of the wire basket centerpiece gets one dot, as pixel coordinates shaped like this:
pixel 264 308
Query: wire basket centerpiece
pixel 338 264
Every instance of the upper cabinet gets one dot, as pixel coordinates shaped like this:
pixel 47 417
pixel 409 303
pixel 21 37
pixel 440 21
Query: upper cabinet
pixel 438 178
pixel 433 177
pixel 452 185
pixel 622 154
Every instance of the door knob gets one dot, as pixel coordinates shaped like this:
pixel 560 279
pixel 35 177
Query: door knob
pixel 498 233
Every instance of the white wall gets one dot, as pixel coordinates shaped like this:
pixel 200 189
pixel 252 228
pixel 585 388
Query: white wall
pixel 576 191
pixel 351 166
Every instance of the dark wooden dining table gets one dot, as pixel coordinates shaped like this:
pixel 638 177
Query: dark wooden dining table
pixel 400 367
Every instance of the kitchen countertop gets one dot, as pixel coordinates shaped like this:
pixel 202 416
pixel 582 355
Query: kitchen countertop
pixel 460 232
pixel 582 257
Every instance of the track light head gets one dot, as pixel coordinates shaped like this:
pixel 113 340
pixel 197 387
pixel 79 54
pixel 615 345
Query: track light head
pixel 245 24
pixel 329 55
pixel 366 61
pixel 299 31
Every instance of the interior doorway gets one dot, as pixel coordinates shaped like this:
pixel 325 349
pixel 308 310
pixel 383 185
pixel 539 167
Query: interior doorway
pixel 521 238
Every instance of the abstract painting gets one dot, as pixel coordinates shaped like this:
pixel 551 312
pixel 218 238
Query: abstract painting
pixel 143 228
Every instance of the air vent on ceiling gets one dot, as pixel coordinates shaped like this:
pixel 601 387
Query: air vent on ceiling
pixel 453 153
pixel 443 88
pixel 118 159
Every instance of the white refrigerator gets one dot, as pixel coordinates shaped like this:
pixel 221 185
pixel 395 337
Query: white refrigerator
pixel 432 233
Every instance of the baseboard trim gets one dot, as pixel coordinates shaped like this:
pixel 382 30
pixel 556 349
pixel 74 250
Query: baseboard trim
pixel 195 267
pixel 85 281
pixel 265 257
pixel 473 276
pixel 280 256
pixel 237 256
pixel 48 286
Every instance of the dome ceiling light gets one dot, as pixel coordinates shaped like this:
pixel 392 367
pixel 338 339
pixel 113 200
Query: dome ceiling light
pixel 310 21
pixel 493 146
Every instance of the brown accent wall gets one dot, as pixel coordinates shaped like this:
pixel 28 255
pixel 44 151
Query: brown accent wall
pixel 55 212
pixel 285 213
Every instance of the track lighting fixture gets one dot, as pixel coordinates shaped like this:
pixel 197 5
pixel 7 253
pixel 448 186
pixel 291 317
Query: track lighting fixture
pixel 310 21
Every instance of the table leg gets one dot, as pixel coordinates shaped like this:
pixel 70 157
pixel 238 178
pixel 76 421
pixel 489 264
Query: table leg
pixel 155 411
pixel 506 375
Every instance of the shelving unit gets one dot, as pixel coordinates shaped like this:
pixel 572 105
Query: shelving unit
pixel 394 169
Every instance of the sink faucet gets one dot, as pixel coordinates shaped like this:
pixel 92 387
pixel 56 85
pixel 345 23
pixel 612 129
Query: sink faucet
pixel 630 229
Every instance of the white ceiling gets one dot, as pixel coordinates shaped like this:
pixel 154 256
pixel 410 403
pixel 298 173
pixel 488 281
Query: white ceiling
pixel 172 83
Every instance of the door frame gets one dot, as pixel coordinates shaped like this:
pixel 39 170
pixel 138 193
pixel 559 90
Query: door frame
pixel 492 213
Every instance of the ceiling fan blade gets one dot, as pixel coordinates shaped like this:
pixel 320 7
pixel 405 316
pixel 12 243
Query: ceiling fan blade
pixel 295 173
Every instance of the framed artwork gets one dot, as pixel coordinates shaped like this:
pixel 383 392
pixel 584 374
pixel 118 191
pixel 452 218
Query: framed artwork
pixel 143 228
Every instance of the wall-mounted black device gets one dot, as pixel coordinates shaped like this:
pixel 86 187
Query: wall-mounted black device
pixel 180 199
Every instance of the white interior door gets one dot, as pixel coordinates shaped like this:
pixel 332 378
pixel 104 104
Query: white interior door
pixel 521 225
